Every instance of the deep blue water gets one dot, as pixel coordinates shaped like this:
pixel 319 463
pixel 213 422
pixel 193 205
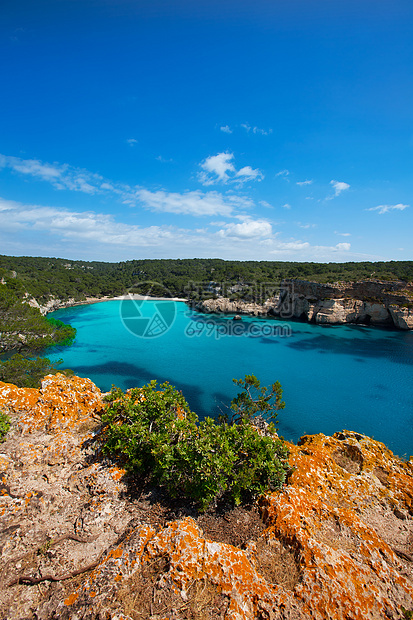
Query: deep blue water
pixel 334 377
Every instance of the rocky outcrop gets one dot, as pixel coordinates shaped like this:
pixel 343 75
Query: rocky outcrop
pixel 227 306
pixel 50 306
pixel 55 303
pixel 402 317
pixel 79 541
pixel 367 303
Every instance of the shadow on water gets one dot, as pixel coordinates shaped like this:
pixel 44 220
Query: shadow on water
pixel 222 406
pixel 131 375
pixel 359 348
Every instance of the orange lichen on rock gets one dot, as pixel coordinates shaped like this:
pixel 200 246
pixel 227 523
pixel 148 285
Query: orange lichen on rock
pixel 338 514
pixel 61 402
pixel 344 517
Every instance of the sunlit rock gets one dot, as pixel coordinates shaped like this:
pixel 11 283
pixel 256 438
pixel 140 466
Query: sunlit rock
pixel 79 542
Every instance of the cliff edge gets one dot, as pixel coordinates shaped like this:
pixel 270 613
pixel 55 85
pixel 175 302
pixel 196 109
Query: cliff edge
pixel 367 303
pixel 79 540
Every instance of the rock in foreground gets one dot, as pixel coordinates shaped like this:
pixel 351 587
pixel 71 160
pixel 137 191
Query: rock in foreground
pixel 77 543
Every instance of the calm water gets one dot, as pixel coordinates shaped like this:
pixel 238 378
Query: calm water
pixel 333 378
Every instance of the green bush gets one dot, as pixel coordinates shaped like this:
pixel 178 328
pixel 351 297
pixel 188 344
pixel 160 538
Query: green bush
pixel 4 425
pixel 25 372
pixel 159 438
pixel 256 400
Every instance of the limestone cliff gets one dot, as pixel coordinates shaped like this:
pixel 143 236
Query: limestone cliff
pixel 78 541
pixel 368 303
pixel 54 303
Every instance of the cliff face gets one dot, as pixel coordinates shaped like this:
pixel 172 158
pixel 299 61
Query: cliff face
pixel 371 303
pixel 55 303
pixel 78 540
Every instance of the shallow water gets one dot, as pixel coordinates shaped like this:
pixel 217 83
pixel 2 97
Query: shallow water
pixel 334 377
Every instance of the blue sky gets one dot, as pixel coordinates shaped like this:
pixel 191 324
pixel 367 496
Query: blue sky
pixel 265 130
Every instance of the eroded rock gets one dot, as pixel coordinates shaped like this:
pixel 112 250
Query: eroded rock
pixel 337 541
pixel 368 303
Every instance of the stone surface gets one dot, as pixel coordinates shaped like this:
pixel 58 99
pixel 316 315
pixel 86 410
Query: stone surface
pixel 371 303
pixel 337 540
pixel 402 317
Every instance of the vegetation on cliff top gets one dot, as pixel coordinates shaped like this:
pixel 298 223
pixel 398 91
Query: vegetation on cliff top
pixel 161 439
pixel 25 372
pixel 61 278
pixel 4 425
pixel 23 328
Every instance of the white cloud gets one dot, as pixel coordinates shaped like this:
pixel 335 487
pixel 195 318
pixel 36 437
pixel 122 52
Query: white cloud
pixel 61 176
pixel 80 226
pixel 286 206
pixel 305 251
pixel 250 174
pixel 220 169
pixel 308 182
pixel 196 203
pixel 226 129
pixel 386 208
pixel 247 229
pixel 46 231
pixel 190 203
pixel 131 141
pixel 283 173
pixel 256 130
pixel 342 234
pixel 218 166
pixel 338 186
pixel 301 225
pixel 290 246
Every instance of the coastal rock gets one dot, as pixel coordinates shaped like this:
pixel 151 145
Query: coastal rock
pixel 226 306
pixel 402 317
pixel 336 311
pixel 336 541
pixel 368 303
pixel 50 306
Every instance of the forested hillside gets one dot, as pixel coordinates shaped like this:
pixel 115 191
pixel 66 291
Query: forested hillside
pixel 60 278
pixel 23 327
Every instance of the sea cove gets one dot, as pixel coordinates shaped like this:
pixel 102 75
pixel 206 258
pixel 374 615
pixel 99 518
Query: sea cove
pixel 334 378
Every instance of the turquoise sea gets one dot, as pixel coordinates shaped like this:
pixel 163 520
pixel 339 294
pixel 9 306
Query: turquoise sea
pixel 334 377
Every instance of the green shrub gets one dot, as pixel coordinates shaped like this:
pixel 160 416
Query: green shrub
pixel 256 400
pixel 158 436
pixel 4 425
pixel 25 372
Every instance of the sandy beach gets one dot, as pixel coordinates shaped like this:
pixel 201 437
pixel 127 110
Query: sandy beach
pixel 97 300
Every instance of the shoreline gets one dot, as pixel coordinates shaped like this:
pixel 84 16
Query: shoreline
pixel 97 300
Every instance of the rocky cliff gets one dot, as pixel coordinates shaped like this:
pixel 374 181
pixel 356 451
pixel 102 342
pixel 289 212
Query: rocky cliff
pixel 79 540
pixel 54 303
pixel 367 303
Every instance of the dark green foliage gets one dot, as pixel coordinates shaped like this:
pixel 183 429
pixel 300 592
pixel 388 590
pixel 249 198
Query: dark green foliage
pixel 43 277
pixel 25 372
pixel 4 425
pixel 256 400
pixel 61 333
pixel 161 439
pixel 24 327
